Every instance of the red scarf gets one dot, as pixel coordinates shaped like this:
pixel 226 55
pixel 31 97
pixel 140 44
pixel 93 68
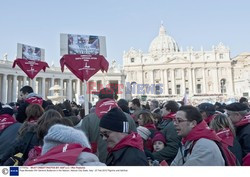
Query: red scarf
pixel 104 106
pixel 244 121
pixel 6 120
pixel 133 140
pixel 150 126
pixel 170 116
pixel 226 136
pixel 64 153
pixel 246 160
pixel 201 130
pixel 34 100
pixel 34 153
pixel 209 119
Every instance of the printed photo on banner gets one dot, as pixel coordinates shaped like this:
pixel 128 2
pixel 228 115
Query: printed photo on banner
pixel 30 52
pixel 82 44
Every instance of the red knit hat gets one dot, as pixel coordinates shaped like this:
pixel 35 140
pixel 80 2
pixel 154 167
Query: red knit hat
pixel 159 137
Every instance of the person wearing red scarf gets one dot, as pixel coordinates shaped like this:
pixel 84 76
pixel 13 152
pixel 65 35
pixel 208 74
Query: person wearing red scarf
pixel 224 129
pixel 198 147
pixel 146 120
pixel 27 97
pixel 207 111
pixel 167 128
pixel 90 123
pixel 239 115
pixel 8 129
pixel 64 145
pixel 124 148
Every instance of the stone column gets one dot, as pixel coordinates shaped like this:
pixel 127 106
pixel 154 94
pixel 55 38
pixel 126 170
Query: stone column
pixel 216 84
pixel 190 82
pixel 14 88
pixel 152 78
pixel 43 87
pixel 9 90
pixel 33 81
pixel 103 84
pixel 24 80
pixel 162 82
pixel 183 80
pixel 173 82
pixel 40 88
pixel 194 81
pixel 204 81
pixel 61 85
pixel 69 90
pixel 4 91
pixel 166 82
pixel 230 89
pixel 52 82
pixel 19 85
pixel 78 87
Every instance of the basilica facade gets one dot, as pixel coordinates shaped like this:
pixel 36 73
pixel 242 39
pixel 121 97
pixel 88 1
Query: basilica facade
pixel 167 71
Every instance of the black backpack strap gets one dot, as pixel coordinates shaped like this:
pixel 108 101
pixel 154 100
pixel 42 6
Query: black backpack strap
pixel 223 153
pixel 26 141
pixel 187 151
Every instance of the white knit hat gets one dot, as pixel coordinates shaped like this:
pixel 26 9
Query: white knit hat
pixel 61 134
pixel 143 132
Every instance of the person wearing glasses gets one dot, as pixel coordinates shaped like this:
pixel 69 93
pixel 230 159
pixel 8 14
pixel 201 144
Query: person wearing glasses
pixel 90 123
pixel 198 147
pixel 240 117
pixel 124 148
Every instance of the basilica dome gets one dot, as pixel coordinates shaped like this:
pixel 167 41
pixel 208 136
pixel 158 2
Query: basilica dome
pixel 163 43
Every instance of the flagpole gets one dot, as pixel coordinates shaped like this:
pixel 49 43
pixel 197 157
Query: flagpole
pixel 86 99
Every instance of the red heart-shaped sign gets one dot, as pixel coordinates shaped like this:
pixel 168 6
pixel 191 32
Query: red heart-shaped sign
pixel 30 67
pixel 84 66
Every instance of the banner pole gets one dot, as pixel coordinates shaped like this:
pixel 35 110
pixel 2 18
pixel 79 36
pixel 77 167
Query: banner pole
pixel 86 99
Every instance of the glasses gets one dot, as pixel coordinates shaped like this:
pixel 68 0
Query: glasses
pixel 105 135
pixel 179 120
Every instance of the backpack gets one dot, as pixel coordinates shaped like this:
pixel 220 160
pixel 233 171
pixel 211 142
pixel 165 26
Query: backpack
pixel 228 156
pixel 19 158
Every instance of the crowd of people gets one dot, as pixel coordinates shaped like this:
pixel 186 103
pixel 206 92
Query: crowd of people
pixel 34 131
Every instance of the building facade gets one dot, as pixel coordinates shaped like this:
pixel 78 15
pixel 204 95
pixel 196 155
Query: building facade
pixel 13 79
pixel 241 65
pixel 167 71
